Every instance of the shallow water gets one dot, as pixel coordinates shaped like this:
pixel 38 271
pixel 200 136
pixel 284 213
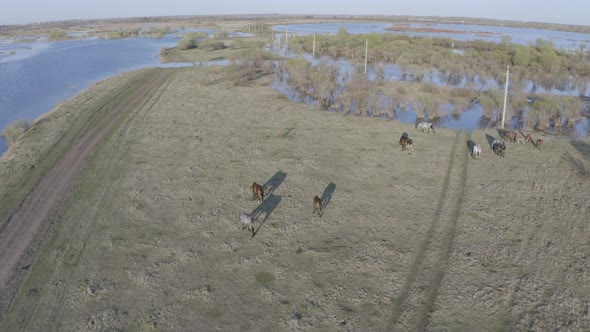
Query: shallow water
pixel 36 75
pixel 561 39
pixel 42 74
pixel 468 119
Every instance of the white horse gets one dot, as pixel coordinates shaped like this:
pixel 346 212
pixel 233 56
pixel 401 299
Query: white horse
pixel 476 150
pixel 246 220
pixel 426 125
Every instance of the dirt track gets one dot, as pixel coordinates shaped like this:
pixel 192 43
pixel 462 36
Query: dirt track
pixel 429 241
pixel 52 192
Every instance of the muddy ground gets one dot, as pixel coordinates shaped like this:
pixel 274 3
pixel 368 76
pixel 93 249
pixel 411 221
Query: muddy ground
pixel 149 236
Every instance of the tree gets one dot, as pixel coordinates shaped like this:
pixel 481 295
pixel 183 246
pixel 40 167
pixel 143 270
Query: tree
pixel 521 55
pixel 324 78
pixel 359 91
pixel 187 43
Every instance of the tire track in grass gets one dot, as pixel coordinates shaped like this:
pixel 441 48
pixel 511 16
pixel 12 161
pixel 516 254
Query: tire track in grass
pixel 415 288
pixel 54 189
pixel 108 194
pixel 445 254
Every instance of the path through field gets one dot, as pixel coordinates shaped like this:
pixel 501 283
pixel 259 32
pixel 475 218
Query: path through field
pixel 53 189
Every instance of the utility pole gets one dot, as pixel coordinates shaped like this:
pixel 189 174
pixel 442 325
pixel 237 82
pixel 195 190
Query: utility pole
pixel 313 52
pixel 505 97
pixel 286 40
pixel 366 52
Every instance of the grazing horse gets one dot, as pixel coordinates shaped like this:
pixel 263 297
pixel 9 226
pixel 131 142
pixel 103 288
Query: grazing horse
pixel 476 150
pixel 426 125
pixel 247 221
pixel 317 205
pixel 539 143
pixel 409 145
pixel 258 191
pixel 403 141
pixel 510 135
pixel 499 146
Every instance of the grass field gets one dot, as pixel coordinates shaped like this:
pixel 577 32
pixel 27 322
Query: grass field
pixel 435 240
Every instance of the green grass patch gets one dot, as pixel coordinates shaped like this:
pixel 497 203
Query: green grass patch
pixel 265 278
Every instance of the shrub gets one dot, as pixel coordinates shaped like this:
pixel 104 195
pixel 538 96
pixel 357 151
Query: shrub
pixel 57 35
pixel 13 131
pixel 211 45
pixel 220 34
pixel 187 43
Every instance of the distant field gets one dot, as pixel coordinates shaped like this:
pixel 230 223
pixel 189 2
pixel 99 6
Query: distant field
pixel 434 240
pixel 240 21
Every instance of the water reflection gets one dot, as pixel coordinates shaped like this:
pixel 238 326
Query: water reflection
pixel 388 108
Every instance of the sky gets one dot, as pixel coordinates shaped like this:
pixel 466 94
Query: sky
pixel 553 11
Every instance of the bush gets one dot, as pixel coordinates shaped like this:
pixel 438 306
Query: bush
pixel 187 43
pixel 220 34
pixel 57 35
pixel 211 45
pixel 13 131
pixel 239 74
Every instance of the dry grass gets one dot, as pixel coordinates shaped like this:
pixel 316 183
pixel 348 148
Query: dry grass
pixel 435 240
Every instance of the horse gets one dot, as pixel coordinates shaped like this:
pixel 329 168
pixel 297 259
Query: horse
pixel 499 146
pixel 476 150
pixel 258 192
pixel 426 125
pixel 510 135
pixel 539 142
pixel 317 205
pixel 403 141
pixel 409 145
pixel 246 220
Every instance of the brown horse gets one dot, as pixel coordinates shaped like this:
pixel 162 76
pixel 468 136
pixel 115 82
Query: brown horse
pixel 317 205
pixel 403 141
pixel 510 135
pixel 539 143
pixel 257 191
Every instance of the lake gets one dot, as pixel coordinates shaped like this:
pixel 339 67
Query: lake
pixel 42 74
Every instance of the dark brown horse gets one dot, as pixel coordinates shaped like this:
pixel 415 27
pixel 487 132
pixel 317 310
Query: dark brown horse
pixel 317 205
pixel 403 141
pixel 539 143
pixel 257 191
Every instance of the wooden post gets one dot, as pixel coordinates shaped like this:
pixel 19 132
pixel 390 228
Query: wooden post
pixel 313 52
pixel 366 53
pixel 505 97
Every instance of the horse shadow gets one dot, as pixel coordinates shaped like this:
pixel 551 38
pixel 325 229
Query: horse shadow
pixel 266 207
pixel 582 147
pixel 273 183
pixel 470 145
pixel 490 140
pixel 327 196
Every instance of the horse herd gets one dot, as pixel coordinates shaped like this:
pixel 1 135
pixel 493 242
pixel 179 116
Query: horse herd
pixel 406 142
pixel 247 220
pixel 498 146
